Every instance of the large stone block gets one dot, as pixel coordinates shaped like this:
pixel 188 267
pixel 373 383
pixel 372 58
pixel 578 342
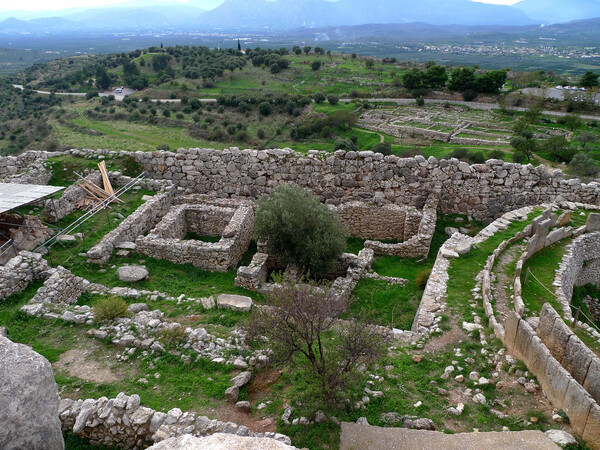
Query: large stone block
pixel 577 405
pixel 523 339
pixel 558 339
pixel 547 317
pixel 537 356
pixel 592 380
pixel 28 400
pixel 235 302
pixel 577 359
pixel 591 432
pixel 510 330
pixel 555 382
pixel 593 222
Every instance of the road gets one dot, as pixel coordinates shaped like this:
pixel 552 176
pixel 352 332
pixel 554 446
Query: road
pixel 398 101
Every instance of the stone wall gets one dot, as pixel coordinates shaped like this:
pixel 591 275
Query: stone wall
pixel 138 223
pixel 573 271
pixel 570 351
pixel 56 209
pixel 370 221
pixel 21 270
pixel 559 386
pixel 484 191
pixel 122 422
pixel 26 167
pixel 61 287
pixel 165 241
pixel 418 235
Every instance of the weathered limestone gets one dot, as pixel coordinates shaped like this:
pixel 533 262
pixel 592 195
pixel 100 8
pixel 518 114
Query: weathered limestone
pixel 220 441
pixel 138 223
pixel 483 190
pixel 234 302
pixel 132 274
pixel 122 422
pixel 166 240
pixel 28 400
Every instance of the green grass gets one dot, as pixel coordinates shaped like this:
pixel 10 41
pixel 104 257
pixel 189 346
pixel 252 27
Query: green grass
pixel 463 270
pixel 165 276
pixel 190 235
pixel 543 266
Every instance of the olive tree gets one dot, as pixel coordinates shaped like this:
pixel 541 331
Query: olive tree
pixel 299 229
pixel 300 320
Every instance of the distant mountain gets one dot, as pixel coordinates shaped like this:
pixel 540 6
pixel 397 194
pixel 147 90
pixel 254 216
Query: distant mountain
pixel 155 16
pixel 286 14
pixel 577 33
pixel 559 11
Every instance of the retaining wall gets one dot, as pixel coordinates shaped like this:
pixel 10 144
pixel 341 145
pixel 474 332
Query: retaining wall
pixel 559 386
pixel 483 190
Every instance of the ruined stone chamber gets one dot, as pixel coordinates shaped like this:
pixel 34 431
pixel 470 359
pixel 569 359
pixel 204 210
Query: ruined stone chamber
pixel 234 225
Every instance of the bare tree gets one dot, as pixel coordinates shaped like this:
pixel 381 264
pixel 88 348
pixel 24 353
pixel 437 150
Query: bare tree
pixel 301 319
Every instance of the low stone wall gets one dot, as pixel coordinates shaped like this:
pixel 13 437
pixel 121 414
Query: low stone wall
pixel 570 351
pixel 417 245
pixel 56 209
pixel 61 287
pixel 559 386
pixel 122 422
pixel 371 221
pixel 138 223
pixel 433 300
pixel 27 167
pixel 165 241
pixel 21 270
pixel 574 269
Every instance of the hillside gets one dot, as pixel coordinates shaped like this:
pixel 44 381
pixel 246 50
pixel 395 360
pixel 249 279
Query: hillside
pixel 282 14
pixel 558 11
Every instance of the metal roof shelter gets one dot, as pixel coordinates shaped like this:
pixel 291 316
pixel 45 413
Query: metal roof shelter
pixel 13 195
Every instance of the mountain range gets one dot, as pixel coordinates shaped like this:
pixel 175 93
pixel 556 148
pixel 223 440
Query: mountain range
pixel 277 15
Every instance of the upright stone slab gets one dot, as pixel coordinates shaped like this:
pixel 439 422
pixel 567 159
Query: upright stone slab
pixel 593 222
pixel 28 400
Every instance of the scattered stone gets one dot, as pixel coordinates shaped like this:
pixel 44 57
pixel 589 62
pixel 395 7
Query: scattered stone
pixel 459 378
pixel 320 417
pixel 234 302
pixel 480 398
pixel 417 358
pixel 474 376
pixel 362 421
pixel 243 406
pixel 232 393
pixel 135 308
pixel 561 437
pixel 66 239
pixel 132 274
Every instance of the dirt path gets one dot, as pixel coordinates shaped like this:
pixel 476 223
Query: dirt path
pixel 381 136
pixel 503 304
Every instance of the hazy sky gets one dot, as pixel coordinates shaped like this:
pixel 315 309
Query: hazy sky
pixel 36 5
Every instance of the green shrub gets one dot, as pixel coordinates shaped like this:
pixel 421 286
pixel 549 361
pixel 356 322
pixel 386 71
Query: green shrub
pixel 109 308
pixel 384 148
pixel 422 278
pixel 299 229
pixel 345 144
pixel 319 97
pixel 265 109
pixel 333 99
pixel 171 335
pixel 420 100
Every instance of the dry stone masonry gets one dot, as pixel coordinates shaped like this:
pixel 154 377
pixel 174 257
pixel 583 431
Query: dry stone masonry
pixel 122 422
pixel 484 191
